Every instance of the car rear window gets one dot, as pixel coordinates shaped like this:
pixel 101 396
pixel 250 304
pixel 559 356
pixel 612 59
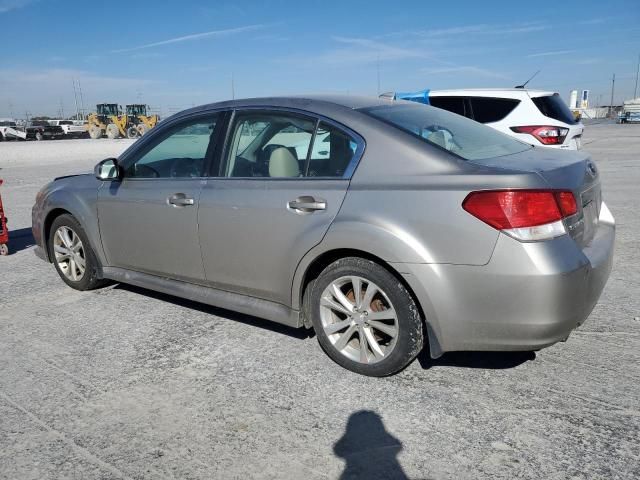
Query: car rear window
pixel 451 104
pixel 487 110
pixel 553 106
pixel 461 136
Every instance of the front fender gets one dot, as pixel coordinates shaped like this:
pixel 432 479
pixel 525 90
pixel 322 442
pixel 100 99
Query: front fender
pixel 78 196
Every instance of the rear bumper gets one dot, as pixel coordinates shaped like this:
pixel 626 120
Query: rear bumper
pixel 529 295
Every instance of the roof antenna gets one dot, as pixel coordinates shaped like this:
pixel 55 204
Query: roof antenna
pixel 525 83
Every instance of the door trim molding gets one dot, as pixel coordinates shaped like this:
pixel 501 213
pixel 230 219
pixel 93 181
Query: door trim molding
pixel 211 296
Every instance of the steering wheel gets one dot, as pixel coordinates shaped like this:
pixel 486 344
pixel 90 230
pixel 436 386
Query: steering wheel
pixel 184 167
pixel 141 170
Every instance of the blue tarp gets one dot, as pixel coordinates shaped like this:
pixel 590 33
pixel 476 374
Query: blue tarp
pixel 421 97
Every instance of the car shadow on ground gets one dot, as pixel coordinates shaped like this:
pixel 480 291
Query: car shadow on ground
pixel 20 239
pixel 485 360
pixel 300 333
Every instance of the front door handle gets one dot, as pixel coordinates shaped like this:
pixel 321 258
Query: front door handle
pixel 307 204
pixel 179 200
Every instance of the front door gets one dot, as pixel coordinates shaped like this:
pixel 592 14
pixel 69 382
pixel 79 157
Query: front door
pixel 149 220
pixel 282 184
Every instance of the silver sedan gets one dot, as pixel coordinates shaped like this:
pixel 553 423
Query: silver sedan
pixel 386 226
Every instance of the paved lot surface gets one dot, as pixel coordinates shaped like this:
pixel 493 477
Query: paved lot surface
pixel 126 383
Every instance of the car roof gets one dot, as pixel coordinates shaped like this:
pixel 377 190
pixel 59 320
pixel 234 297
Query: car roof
pixel 318 102
pixel 491 92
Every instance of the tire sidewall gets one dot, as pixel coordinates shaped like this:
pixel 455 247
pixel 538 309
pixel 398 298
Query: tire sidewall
pixel 410 337
pixel 90 279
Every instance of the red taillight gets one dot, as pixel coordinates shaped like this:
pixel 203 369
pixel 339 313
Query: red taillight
pixel 567 203
pixel 547 135
pixel 509 209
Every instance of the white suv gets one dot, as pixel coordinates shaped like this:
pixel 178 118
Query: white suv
pixel 537 117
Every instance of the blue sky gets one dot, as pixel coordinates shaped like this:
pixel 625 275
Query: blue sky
pixel 173 54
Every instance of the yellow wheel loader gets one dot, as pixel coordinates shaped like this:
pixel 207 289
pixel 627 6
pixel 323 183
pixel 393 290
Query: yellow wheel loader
pixel 107 120
pixel 139 121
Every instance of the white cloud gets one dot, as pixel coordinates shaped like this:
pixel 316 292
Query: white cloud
pixel 465 70
pixel 550 54
pixel 357 51
pixel 194 36
pixel 40 91
pixel 8 5
pixel 478 29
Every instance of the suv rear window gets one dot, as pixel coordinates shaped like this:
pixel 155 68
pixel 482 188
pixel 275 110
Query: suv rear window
pixel 552 106
pixel 450 104
pixel 461 136
pixel 487 110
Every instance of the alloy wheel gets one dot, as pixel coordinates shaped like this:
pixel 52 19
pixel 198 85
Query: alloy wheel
pixel 69 253
pixel 359 319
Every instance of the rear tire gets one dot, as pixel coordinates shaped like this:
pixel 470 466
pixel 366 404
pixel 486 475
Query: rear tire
pixel 72 256
pixel 112 131
pixel 377 336
pixel 4 249
pixel 132 132
pixel 142 129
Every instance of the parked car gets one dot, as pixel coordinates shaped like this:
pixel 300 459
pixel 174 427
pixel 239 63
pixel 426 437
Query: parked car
pixel 41 130
pixel 416 225
pixel 70 129
pixel 10 130
pixel 540 118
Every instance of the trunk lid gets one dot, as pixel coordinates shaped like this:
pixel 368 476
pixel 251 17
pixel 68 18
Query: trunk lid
pixel 563 170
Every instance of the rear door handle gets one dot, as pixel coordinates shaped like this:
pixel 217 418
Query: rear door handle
pixel 179 200
pixel 307 204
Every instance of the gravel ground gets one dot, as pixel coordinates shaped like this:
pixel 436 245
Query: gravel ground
pixel 127 383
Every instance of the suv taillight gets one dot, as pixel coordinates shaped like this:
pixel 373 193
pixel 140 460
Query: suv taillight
pixel 526 215
pixel 545 134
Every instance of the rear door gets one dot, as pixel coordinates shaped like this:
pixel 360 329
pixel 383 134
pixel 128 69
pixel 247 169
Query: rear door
pixel 281 183
pixel 149 220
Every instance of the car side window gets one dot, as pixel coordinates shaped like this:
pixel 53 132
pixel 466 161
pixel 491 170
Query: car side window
pixel 179 154
pixel 487 110
pixel 269 144
pixel 451 104
pixel 332 152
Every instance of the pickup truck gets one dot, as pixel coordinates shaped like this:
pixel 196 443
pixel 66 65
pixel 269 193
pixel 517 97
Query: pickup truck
pixel 9 130
pixel 70 128
pixel 41 130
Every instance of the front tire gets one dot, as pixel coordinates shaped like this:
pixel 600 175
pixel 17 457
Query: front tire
pixel 113 131
pixel 95 132
pixel 365 318
pixel 72 256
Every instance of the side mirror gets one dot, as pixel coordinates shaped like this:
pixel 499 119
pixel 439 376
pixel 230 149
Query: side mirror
pixel 108 170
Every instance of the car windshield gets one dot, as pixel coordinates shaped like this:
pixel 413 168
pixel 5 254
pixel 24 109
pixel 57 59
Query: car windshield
pixel 461 136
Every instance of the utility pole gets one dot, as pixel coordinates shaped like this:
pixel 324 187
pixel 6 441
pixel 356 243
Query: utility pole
pixel 81 100
pixel 378 72
pixel 635 90
pixel 75 98
pixel 613 89
pixel 233 89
